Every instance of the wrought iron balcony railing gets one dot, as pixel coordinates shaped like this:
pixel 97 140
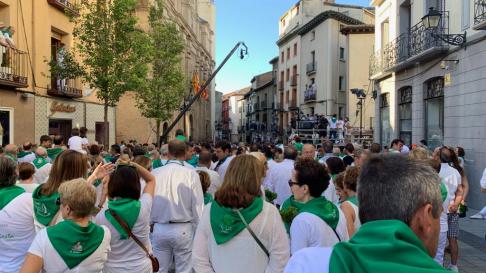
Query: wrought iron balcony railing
pixel 70 88
pixel 13 67
pixel 310 94
pixel 263 104
pixel 376 63
pixel 479 14
pixel 311 68
pixel 64 5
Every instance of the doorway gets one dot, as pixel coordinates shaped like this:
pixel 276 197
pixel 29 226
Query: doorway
pixel 60 127
pixel 100 133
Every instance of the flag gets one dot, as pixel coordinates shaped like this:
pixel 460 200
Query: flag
pixel 195 83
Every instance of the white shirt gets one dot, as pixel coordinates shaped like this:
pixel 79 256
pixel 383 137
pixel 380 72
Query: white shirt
pixel 28 187
pixel 16 232
pixel 310 260
pixel 279 177
pixel 213 177
pixel 53 263
pixel 357 222
pixel 308 230
pixel 452 179
pixel 267 183
pixel 222 168
pixel 178 195
pixel 28 158
pixel 332 124
pixel 85 141
pixel 75 143
pixel 330 193
pixel 41 175
pixel 483 180
pixel 126 256
pixel 242 254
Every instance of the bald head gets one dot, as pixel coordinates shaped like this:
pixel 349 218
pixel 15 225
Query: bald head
pixel 41 152
pixel 177 149
pixel 205 159
pixel 308 151
pixel 11 149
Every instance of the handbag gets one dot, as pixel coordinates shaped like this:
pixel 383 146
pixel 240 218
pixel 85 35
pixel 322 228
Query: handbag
pixel 153 259
pixel 253 234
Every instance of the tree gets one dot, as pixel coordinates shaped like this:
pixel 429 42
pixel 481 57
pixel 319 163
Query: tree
pixel 165 87
pixel 113 52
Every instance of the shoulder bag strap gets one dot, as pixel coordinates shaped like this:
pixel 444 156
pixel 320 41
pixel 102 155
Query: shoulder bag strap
pixel 335 232
pixel 253 234
pixel 127 229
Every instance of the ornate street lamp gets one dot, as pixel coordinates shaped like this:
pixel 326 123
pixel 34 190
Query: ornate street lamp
pixel 432 22
pixel 360 95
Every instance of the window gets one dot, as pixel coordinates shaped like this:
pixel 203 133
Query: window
pixel 385 128
pixel 465 14
pixel 405 114
pixel 313 57
pixel 288 75
pixel 287 97
pixel 341 83
pixel 282 76
pixel 295 49
pixel 282 57
pixel 6 124
pixel 341 53
pixel 313 35
pixel 436 4
pixel 434 111
pixel 288 53
pixel 385 33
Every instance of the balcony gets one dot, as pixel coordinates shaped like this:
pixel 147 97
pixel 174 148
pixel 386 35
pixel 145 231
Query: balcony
pixel 64 5
pixel 281 85
pixel 292 104
pixel 70 88
pixel 479 15
pixel 293 80
pixel 376 65
pixel 256 107
pixel 14 68
pixel 263 105
pixel 280 106
pixel 310 94
pixel 311 68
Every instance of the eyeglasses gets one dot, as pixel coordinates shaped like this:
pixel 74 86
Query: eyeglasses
pixel 291 183
pixel 58 201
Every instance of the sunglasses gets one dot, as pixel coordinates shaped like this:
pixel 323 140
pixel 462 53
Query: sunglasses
pixel 291 183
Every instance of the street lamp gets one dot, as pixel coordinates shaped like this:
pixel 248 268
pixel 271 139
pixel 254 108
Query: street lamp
pixel 432 22
pixel 360 95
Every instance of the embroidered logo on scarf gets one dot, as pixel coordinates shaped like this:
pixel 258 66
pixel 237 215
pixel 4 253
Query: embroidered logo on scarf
pixel 77 248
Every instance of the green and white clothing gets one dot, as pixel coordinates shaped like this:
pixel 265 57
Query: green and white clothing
pixel 46 210
pixel 28 187
pixel 27 157
pixel 126 255
pixel 52 153
pixel 240 253
pixel 379 246
pixel 77 249
pixel 16 232
pixel 42 170
pixel 353 201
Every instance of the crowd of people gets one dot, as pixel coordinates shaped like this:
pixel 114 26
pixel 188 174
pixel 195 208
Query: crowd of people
pixel 228 208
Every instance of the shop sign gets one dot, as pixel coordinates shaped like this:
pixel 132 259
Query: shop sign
pixel 62 107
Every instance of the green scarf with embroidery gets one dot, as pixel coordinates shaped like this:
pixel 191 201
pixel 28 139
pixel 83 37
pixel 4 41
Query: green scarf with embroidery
pixel 52 153
pixel 298 146
pixel 383 246
pixel 75 243
pixel 353 200
pixel 157 164
pixel 319 206
pixel 22 154
pixel 45 207
pixel 11 156
pixel 225 222
pixel 128 209
pixel 40 162
pixel 8 194
pixel 208 198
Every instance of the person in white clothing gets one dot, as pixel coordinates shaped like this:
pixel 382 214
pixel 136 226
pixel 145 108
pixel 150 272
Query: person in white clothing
pixel 124 200
pixel 26 177
pixel 26 155
pixel 223 243
pixel 318 221
pixel 350 205
pixel 16 224
pixel 335 166
pixel 75 142
pixel 280 174
pixel 205 165
pixel 223 152
pixel 42 166
pixel 176 210
pixel 75 244
pixel 83 131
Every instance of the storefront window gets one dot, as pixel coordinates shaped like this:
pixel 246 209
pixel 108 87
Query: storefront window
pixel 434 112
pixel 405 114
pixel 385 130
pixel 6 126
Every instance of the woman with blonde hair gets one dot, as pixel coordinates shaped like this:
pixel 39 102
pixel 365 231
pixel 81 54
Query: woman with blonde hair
pixel 419 153
pixel 75 244
pixel 239 232
pixel 205 183
pixel 350 205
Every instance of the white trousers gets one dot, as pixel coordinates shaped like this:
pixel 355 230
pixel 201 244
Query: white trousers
pixel 439 256
pixel 173 242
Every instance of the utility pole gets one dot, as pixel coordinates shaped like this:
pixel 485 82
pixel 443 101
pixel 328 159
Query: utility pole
pixel 361 96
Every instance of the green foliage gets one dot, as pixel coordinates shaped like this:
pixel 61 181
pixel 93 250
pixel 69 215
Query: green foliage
pixel 289 214
pixel 270 195
pixel 165 87
pixel 69 69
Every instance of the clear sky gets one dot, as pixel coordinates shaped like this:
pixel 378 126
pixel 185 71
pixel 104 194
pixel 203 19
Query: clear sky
pixel 256 23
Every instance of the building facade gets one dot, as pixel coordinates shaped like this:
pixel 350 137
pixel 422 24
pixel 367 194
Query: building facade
pixel 32 103
pixel 218 103
pixel 195 20
pixel 312 72
pixel 430 89
pixel 232 109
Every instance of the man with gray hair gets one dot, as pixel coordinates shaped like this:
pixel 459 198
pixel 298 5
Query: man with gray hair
pixel 328 147
pixel 11 152
pixel 163 157
pixel 42 166
pixel 399 205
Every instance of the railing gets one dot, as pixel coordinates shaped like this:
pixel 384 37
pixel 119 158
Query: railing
pixel 263 104
pixel 376 63
pixel 310 94
pixel 311 67
pixel 64 5
pixel 65 88
pixel 479 12
pixel 256 107
pixel 13 67
pixel 281 85
pixel 293 80
pixel 293 104
pixel 280 106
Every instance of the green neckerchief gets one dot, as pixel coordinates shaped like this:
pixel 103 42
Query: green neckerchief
pixel 208 198
pixel 22 154
pixel 319 206
pixel 39 162
pixel 45 207
pixel 128 209
pixel 97 183
pixel 333 119
pixel 148 155
pixel 52 153
pixel 443 191
pixel 11 156
pixel 181 138
pixel 157 164
pixel 8 194
pixel 298 146
pixel 353 200
pixel 226 223
pixel 333 177
pixel 75 243
pixel 383 246
pixel 108 158
pixel 193 161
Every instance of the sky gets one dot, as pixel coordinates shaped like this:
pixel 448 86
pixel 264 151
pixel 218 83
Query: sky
pixel 254 22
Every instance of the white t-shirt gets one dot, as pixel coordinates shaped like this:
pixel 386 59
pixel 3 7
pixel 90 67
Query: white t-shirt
pixel 213 177
pixel 310 260
pixel 222 168
pixel 483 180
pixel 126 255
pixel 279 177
pixel 308 230
pixel 16 232
pixel 452 179
pixel 53 263
pixel 84 141
pixel 28 158
pixel 41 175
pixel 29 188
pixel 242 254
pixel 330 193
pixel 75 143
